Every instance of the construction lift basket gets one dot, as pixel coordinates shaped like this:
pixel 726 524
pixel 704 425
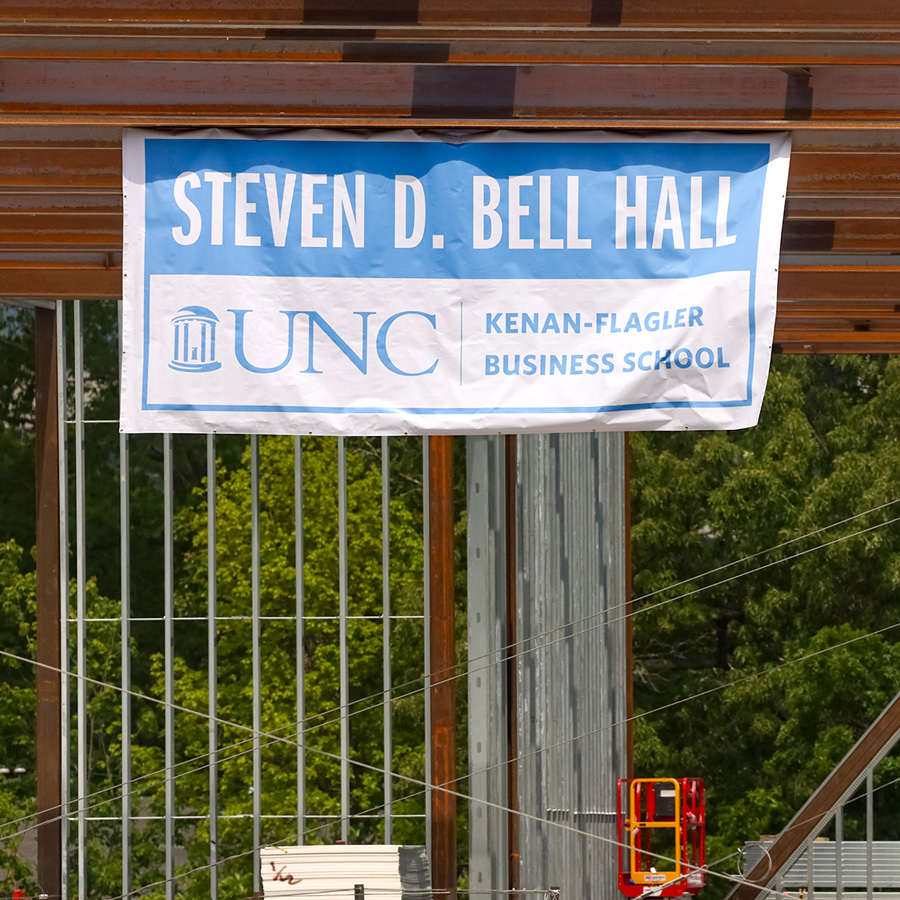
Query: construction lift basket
pixel 662 835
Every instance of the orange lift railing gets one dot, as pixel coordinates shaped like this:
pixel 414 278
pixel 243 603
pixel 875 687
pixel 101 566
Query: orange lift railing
pixel 662 832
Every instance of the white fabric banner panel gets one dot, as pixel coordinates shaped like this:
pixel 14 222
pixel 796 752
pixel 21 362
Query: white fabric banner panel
pixel 327 283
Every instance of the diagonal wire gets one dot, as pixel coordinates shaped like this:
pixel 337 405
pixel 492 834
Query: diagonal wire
pixel 274 738
pixel 520 645
pixel 293 726
pixel 504 654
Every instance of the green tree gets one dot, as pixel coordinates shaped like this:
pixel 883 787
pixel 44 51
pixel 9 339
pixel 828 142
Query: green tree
pixel 764 726
pixel 320 647
pixel 17 713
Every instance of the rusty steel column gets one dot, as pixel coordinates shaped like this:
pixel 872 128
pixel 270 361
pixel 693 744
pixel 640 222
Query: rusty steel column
pixel 49 695
pixel 443 661
pixel 512 666
pixel 629 622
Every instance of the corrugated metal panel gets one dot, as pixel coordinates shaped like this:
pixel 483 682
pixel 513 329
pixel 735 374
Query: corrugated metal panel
pixel 572 662
pixel 486 663
pixel 885 864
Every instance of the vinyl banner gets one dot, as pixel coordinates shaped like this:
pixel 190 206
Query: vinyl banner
pixel 329 283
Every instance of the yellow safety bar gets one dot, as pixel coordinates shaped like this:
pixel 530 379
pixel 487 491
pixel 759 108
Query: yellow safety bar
pixel 635 825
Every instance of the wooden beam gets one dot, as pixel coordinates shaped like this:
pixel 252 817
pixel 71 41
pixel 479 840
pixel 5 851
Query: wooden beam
pixel 858 182
pixel 276 41
pixel 60 281
pixel 161 92
pixel 70 231
pixel 859 341
pixel 837 282
pixel 876 15
pixel 61 168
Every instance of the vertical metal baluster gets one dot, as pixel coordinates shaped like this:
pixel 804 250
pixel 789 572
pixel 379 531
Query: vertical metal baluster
pixel 125 613
pixel 212 665
pixel 870 833
pixel 426 540
pixel 169 661
pixel 344 654
pixel 811 868
pixel 838 853
pixel 256 673
pixel 65 715
pixel 81 604
pixel 386 638
pixel 301 658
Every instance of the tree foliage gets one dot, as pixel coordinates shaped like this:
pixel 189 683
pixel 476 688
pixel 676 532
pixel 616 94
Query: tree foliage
pixel 321 652
pixel 774 650
pixel 17 715
pixel 778 658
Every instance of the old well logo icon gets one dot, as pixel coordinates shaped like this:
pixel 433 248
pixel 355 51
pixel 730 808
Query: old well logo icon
pixel 195 340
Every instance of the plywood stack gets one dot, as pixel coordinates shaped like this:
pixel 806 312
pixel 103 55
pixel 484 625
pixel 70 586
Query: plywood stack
pixel 332 872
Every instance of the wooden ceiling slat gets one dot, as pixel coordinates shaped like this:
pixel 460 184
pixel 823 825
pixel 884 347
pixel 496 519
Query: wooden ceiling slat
pixel 847 172
pixel 835 333
pixel 869 137
pixel 860 340
pixel 72 73
pixel 833 326
pixel 628 13
pixel 60 203
pixel 63 230
pixel 842 236
pixel 41 86
pixel 157 89
pixel 847 312
pixel 62 168
pixel 831 347
pixel 42 165
pixel 810 151
pixel 524 45
pixel 839 283
pixel 842 206
pixel 803 285
pixel 46 281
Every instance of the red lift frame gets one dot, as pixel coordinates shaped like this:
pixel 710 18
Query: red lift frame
pixel 677 808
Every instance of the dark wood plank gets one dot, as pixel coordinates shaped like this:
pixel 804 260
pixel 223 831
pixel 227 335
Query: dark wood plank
pixel 601 13
pixel 160 91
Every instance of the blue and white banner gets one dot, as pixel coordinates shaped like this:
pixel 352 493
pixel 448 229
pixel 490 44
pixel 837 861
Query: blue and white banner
pixel 327 283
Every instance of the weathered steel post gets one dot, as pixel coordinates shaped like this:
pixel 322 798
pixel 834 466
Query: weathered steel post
pixel 443 662
pixel 49 696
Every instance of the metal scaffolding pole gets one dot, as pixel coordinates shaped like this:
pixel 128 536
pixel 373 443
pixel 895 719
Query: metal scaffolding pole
pixel 344 652
pixel 443 660
pixel 212 666
pixel 386 636
pixel 49 684
pixel 83 780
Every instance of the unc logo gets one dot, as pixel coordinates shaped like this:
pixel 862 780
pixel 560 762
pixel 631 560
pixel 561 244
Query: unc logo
pixel 195 340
